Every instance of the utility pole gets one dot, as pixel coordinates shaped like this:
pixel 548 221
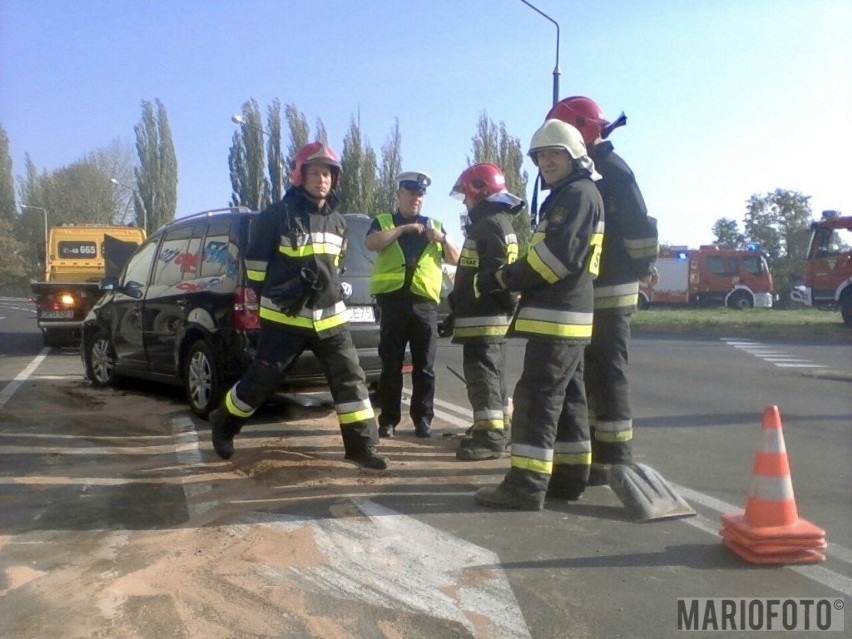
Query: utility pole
pixel 556 72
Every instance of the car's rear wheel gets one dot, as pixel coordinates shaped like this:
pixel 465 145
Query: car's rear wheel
pixel 100 361
pixel 203 379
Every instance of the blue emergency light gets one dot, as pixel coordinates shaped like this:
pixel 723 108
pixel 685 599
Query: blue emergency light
pixel 682 255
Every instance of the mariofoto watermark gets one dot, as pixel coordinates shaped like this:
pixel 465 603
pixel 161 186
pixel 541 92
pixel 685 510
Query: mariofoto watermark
pixel 761 613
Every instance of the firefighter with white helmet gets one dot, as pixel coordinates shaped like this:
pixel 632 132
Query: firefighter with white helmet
pixel 550 436
pixel 482 321
pixel 629 251
pixel 292 261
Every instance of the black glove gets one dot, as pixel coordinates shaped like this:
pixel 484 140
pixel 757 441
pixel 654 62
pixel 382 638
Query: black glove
pixel 485 282
pixel 451 300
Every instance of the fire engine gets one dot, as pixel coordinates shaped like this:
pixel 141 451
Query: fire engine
pixel 709 275
pixel 828 271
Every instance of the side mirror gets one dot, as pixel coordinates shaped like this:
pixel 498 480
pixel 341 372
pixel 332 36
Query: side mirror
pixel 134 290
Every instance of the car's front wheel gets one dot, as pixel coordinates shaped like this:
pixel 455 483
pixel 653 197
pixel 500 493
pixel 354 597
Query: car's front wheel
pixel 203 379
pixel 100 361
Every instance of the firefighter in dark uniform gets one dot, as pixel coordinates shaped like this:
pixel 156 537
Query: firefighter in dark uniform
pixel 482 321
pixel 406 281
pixel 551 450
pixel 629 250
pixel 295 250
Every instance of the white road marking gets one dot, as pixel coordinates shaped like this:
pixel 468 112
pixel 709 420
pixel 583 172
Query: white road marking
pixel 394 561
pixel 20 378
pixel 819 574
pixel 770 354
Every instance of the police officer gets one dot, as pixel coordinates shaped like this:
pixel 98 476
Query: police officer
pixel 629 250
pixel 550 437
pixel 482 321
pixel 406 281
pixel 292 260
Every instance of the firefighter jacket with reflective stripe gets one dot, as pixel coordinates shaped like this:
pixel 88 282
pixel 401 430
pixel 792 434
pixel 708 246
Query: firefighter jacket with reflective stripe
pixel 490 243
pixel 555 277
pixel 630 243
pixel 390 268
pixel 294 252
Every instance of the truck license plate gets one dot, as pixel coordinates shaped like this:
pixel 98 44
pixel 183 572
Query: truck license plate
pixel 362 314
pixel 57 314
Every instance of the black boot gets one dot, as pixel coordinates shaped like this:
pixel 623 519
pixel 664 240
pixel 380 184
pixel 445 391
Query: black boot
pixel 564 492
pixel 368 458
pixel 506 497
pixel 483 444
pixel 386 431
pixel 423 430
pixel 223 430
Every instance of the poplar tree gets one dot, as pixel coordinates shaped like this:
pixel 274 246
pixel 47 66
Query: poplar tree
pixel 247 160
pixel 8 207
pixel 385 199
pixel 275 162
pixel 493 144
pixel 156 175
pixel 299 135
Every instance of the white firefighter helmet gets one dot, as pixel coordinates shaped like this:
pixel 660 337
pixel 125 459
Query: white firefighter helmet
pixel 556 134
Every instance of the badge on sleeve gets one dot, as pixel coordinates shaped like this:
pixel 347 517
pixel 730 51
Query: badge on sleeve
pixel 558 216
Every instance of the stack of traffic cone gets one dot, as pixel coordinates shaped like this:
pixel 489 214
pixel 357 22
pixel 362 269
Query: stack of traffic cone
pixel 770 531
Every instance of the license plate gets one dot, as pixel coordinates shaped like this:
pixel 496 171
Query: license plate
pixel 362 314
pixel 57 314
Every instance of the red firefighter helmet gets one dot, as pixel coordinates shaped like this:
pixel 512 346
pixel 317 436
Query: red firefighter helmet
pixel 583 113
pixel 479 181
pixel 315 153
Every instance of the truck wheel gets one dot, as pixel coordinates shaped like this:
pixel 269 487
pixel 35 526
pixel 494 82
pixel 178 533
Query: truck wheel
pixel 846 308
pixel 203 379
pixel 100 361
pixel 740 301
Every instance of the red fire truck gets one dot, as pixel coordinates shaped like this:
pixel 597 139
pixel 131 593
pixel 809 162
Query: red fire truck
pixel 709 275
pixel 828 271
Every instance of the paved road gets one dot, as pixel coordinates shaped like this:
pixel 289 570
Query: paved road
pixel 84 497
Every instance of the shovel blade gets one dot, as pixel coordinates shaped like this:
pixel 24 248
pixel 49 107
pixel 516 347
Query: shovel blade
pixel 646 494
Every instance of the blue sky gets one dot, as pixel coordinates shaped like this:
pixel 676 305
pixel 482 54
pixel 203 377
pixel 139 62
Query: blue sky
pixel 725 98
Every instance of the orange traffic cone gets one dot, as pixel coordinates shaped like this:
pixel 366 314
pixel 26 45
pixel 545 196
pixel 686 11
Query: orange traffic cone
pixel 770 530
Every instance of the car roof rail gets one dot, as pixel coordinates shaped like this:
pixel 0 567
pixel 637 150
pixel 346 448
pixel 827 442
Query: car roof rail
pixel 209 212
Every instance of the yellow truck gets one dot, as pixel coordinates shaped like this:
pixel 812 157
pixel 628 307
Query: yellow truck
pixel 77 258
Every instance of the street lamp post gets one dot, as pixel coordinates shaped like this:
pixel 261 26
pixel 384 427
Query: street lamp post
pixel 141 202
pixel 556 72
pixel 43 210
pixel 238 119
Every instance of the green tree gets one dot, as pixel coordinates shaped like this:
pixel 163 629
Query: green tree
pixel 299 134
pixel 728 234
pixel 275 162
pixel 358 174
pixel 156 175
pixel 15 273
pixel 246 161
pixel 385 197
pixel 8 207
pixel 779 222
pixel 493 144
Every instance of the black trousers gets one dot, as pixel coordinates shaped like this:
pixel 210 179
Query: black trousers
pixel 550 427
pixel 277 352
pixel 413 322
pixel 608 388
pixel 485 373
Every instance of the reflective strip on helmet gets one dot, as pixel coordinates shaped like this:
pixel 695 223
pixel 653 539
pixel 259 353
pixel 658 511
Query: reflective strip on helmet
pixel 320 244
pixel 538 460
pixel 235 406
pixel 617 295
pixel 555 323
pixel 546 264
pixel 352 412
pixel 643 248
